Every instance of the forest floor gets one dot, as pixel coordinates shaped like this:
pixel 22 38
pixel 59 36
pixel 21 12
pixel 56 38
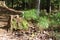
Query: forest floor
pixel 21 35
pixel 32 34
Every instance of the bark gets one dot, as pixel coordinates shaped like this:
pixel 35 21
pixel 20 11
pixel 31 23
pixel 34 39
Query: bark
pixel 48 6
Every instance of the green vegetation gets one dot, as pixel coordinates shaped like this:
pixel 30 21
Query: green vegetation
pixel 43 22
pixel 25 25
pixel 55 18
pixel 48 18
pixel 19 25
pixel 30 14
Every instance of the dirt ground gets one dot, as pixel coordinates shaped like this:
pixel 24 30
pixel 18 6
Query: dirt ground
pixel 4 35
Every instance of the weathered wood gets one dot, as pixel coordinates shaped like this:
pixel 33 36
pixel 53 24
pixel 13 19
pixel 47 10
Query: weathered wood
pixel 3 20
pixel 2 3
pixel 10 13
pixel 5 10
pixel 13 20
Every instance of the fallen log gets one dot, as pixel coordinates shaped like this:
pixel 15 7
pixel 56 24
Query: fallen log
pixel 5 10
pixel 10 13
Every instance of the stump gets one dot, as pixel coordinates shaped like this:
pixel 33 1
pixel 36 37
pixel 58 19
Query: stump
pixel 10 13
pixel 14 18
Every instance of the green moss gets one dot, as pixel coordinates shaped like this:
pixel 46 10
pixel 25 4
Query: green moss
pixel 19 25
pixel 25 25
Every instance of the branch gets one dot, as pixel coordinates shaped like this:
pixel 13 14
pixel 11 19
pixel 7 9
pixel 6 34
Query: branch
pixel 5 9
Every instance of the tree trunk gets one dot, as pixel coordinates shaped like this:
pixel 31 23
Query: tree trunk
pixel 12 3
pixel 48 6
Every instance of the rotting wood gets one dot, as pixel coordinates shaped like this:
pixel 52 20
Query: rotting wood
pixel 4 10
pixel 13 17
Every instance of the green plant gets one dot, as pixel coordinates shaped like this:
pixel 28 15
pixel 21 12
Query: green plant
pixel 43 22
pixel 55 18
pixel 43 13
pixel 24 24
pixel 30 14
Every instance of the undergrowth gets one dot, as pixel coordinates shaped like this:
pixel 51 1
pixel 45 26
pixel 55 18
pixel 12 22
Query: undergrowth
pixel 22 24
pixel 30 14
pixel 43 20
